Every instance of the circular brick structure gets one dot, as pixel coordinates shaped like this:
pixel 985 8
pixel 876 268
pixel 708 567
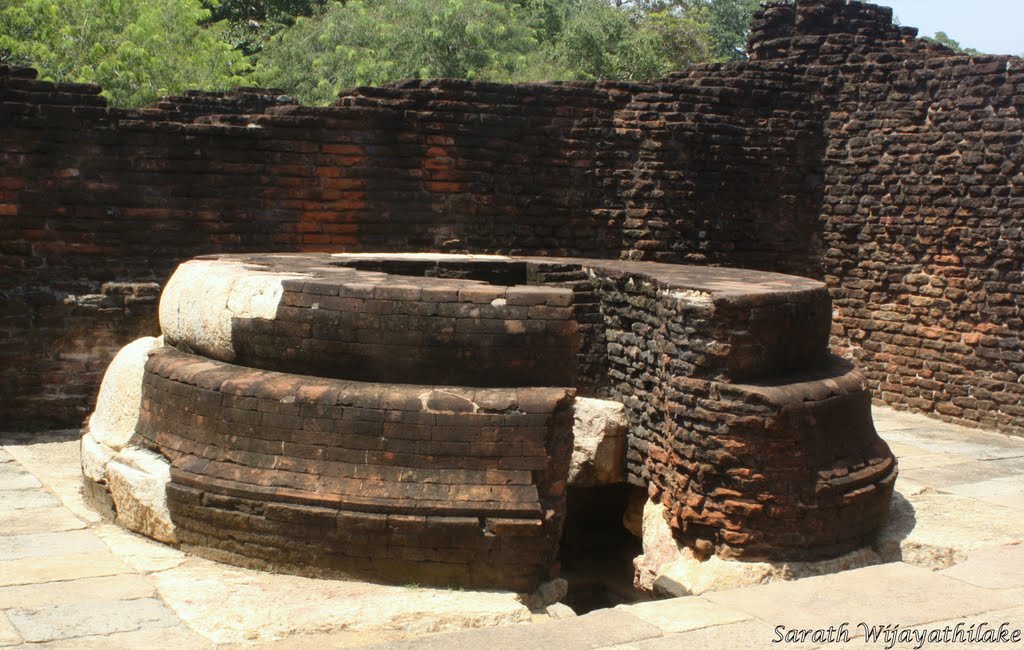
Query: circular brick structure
pixel 409 417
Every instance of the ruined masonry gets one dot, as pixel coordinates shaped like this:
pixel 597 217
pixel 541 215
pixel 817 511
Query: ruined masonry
pixel 845 149
pixel 410 417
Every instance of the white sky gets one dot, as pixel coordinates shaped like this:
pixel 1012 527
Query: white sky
pixel 992 26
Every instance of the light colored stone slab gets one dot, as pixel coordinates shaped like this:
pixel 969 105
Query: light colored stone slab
pixel 320 641
pixel 112 423
pixel 37 545
pixel 1007 492
pixel 690 576
pixel 60 567
pixel 900 449
pixel 56 461
pixel 889 592
pixel 140 553
pixel 906 488
pixel 95 458
pixel 37 520
pixel 138 479
pixel 944 476
pixel 930 459
pixel 600 629
pixel 23 499
pixel 887 419
pixel 748 635
pixel 34 596
pixel 659 546
pixel 5 457
pixel 1001 567
pixel 682 614
pixel 91 618
pixel 599 443
pixel 178 637
pixel 938 530
pixel 945 438
pixel 13 477
pixel 233 605
pixel 1013 618
pixel 8 635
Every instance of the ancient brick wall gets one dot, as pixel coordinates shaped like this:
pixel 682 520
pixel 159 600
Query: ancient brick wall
pixel 92 195
pixel 845 149
pixel 922 207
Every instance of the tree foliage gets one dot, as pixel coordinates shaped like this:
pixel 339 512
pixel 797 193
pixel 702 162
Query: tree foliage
pixel 137 51
pixel 369 42
pixel 249 23
pixel 944 39
pixel 366 42
pixel 314 48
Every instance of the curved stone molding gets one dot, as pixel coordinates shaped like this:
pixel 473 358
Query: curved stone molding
pixel 407 483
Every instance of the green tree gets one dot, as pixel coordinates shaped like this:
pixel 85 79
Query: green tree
pixel 370 42
pixel 943 39
pixel 725 22
pixel 137 51
pixel 249 23
pixel 602 41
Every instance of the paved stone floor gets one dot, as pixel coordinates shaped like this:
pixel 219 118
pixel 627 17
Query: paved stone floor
pixel 68 579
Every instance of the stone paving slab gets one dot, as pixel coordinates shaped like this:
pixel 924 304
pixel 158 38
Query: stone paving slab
pixel 178 637
pixel 54 457
pixel 35 596
pixel 1001 567
pixel 56 622
pixel 60 567
pixel 8 635
pixel 1007 492
pixel 922 532
pixel 886 593
pixel 676 615
pixel 140 553
pixel 13 477
pixel 342 639
pixel 929 459
pixel 26 521
pixel 748 635
pixel 233 605
pixel 25 499
pixel 945 476
pixel 1014 618
pixel 600 629
pixel 38 545
pixel 933 435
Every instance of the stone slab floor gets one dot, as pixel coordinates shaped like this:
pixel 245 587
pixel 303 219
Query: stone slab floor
pixel 68 579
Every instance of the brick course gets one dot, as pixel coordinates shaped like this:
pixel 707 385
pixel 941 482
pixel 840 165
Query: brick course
pixel 401 483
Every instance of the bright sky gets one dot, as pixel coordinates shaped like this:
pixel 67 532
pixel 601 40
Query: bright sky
pixel 992 26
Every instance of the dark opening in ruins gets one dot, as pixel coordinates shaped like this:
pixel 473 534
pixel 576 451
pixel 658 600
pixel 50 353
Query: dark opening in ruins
pixel 596 552
pixel 492 272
